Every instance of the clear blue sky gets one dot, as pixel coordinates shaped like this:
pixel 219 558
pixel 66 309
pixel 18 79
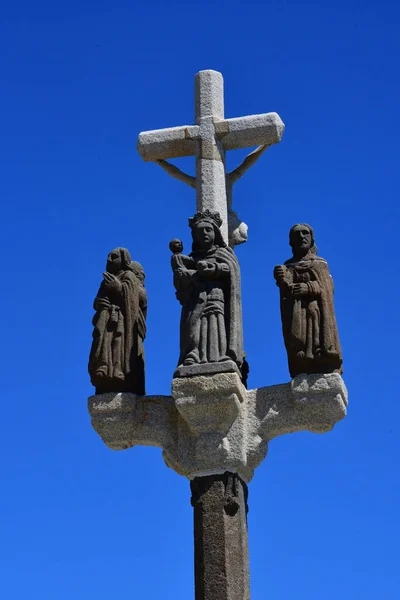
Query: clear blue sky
pixel 79 81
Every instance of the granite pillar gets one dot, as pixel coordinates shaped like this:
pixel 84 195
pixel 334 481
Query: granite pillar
pixel 220 537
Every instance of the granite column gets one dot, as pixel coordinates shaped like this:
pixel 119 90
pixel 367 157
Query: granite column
pixel 220 537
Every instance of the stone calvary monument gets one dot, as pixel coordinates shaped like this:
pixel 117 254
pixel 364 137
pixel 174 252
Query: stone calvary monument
pixel 212 429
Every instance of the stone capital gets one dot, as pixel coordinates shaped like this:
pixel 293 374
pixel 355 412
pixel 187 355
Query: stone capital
pixel 211 424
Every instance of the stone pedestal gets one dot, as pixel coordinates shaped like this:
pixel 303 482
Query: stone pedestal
pixel 213 410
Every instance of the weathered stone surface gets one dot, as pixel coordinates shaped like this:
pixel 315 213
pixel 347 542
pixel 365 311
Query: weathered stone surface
pixel 308 403
pixel 210 174
pixel 173 142
pixel 237 229
pixel 212 424
pixel 254 130
pixel 227 366
pixel 220 536
pixel 208 140
pixel 209 404
pixel 207 285
pixel 305 387
pixel 213 408
pixel 308 316
pixel 116 362
pixel 125 420
pixel 209 95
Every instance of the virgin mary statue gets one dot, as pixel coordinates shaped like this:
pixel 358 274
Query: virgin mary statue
pixel 208 287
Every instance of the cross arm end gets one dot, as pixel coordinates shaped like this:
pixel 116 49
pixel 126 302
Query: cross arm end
pixel 174 142
pixel 254 130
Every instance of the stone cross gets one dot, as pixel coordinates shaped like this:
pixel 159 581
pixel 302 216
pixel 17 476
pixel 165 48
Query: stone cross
pixel 208 140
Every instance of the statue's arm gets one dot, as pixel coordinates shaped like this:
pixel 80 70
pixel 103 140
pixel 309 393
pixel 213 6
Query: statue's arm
pixel 222 270
pixel 248 162
pixel 212 270
pixel 314 288
pixel 322 279
pixel 101 302
pixel 177 173
pixel 282 276
pixel 183 278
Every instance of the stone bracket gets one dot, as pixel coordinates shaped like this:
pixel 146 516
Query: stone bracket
pixel 125 420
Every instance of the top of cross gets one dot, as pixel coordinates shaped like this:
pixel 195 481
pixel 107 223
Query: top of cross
pixel 208 140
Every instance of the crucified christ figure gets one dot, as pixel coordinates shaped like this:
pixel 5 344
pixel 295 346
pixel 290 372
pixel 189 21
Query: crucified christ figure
pixel 237 229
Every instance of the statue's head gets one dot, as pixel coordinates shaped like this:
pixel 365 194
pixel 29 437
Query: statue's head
pixel 118 260
pixel 176 246
pixel 138 271
pixel 301 239
pixel 206 231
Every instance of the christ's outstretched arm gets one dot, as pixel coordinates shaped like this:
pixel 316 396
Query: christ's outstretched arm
pixel 177 173
pixel 247 163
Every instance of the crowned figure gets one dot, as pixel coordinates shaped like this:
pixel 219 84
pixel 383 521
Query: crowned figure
pixel 207 285
pixel 116 362
pixel 308 316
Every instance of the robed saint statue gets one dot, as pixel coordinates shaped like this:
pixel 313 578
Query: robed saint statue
pixel 116 362
pixel 308 316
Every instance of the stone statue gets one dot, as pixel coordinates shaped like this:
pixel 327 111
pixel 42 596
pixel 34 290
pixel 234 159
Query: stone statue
pixel 116 362
pixel 207 285
pixel 307 311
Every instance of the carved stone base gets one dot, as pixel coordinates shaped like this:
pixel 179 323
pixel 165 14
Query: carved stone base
pixel 213 408
pixel 212 424
pixel 227 366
